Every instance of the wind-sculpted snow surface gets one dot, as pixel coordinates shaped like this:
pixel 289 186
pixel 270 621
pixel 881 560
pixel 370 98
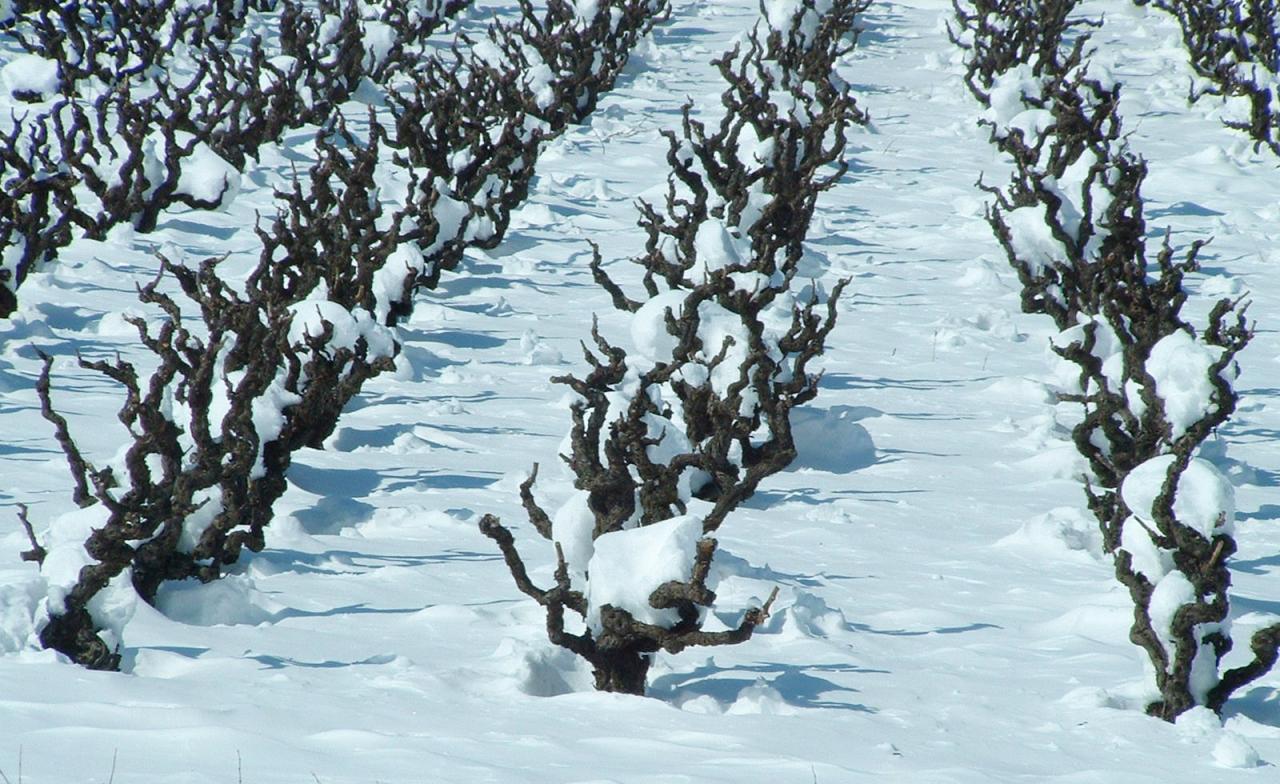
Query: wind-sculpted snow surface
pixel 940 583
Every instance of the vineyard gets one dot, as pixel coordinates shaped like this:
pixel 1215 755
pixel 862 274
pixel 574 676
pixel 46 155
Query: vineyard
pixel 639 391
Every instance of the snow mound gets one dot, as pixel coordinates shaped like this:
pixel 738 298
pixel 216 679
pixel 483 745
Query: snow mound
pixel 231 600
pixel 627 566
pixel 831 439
pixel 1104 623
pixel 1233 751
pixel 808 616
pixel 761 698
pixel 28 73
pixel 537 351
pixel 1055 461
pixel 1085 697
pixel 1230 749
pixel 1198 725
pixel 571 527
pixel 66 554
pixel 114 324
pixel 207 178
pixel 1020 390
pixel 1204 500
pixel 700 703
pixel 981 275
pixel 311 316
pixel 1180 365
pixel 543 670
pixel 1063 529
pixel 17 612
pixel 649 326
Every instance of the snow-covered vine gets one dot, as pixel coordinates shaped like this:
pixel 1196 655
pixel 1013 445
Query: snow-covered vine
pixel 138 107
pixel 213 430
pixel 1234 49
pixel 669 438
pixel 1151 387
pixel 268 369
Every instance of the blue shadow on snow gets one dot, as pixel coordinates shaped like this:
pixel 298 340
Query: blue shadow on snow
pixel 794 683
pixel 328 561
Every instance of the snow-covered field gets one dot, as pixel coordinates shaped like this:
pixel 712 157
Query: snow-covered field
pixel 945 613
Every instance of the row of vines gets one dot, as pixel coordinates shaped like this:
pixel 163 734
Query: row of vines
pixel 142 107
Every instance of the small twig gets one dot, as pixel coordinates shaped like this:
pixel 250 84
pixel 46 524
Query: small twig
pixel 36 553
pixel 1215 557
pixel 79 467
pixel 537 516
pixel 491 527
pixel 768 604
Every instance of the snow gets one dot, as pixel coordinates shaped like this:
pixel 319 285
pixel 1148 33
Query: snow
pixel 27 73
pixel 831 439
pixel 716 249
pixel 723 332
pixel 206 177
pixel 18 605
pixel 268 421
pixel 1180 366
pixel 194 526
pixel 1007 97
pixel 311 316
pixel 1233 751
pixel 537 351
pixel 809 616
pixel 378 39
pixel 780 15
pixel 1204 500
pixel 1057 533
pixel 649 326
pixel 66 554
pixel 1032 240
pixel 628 566
pixel 1171 592
pixel 941 582
pixel 30 74
pixel 113 607
pixel 572 527
pixel 1229 748
pixel 539 80
pixel 232 599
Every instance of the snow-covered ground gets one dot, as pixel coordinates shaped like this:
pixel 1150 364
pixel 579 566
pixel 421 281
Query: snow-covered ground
pixel 945 613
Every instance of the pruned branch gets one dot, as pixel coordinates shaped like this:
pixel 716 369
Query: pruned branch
pixel 37 553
